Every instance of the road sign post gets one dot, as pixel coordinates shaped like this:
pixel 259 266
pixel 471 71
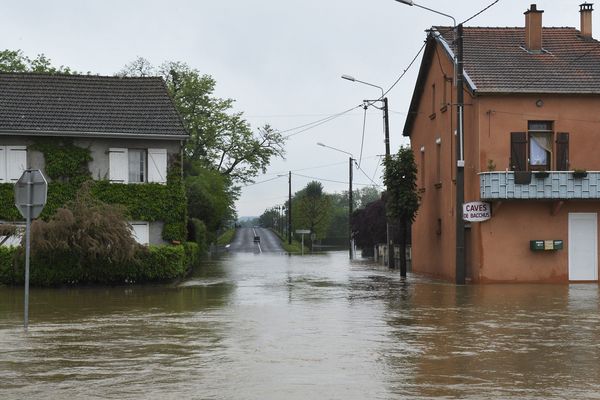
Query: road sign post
pixel 31 193
pixel 303 232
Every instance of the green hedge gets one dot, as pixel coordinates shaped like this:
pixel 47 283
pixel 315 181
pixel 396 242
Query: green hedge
pixel 66 165
pixel 151 264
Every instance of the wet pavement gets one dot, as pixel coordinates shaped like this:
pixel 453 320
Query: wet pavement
pixel 270 326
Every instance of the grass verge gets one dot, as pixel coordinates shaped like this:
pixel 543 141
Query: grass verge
pixel 226 237
pixel 295 247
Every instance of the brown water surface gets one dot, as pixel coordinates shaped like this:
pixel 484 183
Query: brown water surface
pixel 258 326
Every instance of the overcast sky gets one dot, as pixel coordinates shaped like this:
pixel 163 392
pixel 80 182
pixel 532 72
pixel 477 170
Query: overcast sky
pixel 280 60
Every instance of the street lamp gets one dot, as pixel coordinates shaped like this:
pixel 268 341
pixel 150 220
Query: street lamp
pixel 386 131
pixel 350 160
pixel 384 100
pixel 460 161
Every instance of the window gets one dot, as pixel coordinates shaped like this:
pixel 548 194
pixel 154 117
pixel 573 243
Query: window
pixel 13 161
pixel 140 231
pixel 137 165
pixel 433 104
pixel 535 150
pixel 540 145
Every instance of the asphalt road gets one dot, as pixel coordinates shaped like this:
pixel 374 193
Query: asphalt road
pixel 243 242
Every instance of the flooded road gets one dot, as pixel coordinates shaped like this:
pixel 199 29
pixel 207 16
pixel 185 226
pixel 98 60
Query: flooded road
pixel 252 326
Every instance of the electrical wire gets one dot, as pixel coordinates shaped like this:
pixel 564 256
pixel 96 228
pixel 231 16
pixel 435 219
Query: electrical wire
pixel 265 181
pixel 368 177
pixel 331 180
pixel 362 141
pixel 314 124
pixel 485 9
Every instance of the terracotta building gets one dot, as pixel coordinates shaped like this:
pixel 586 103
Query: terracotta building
pixel 531 152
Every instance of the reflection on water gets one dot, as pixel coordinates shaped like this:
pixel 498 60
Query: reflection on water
pixel 276 327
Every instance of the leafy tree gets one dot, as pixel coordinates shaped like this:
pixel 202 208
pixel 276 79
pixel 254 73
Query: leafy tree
pixel 311 209
pixel 221 139
pixel 270 218
pixel 369 226
pixel 400 178
pixel 211 197
pixel 367 195
pixel 16 61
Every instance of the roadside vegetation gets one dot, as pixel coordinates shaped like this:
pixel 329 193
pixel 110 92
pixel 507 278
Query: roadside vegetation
pixel 324 214
pixel 226 237
pixel 294 248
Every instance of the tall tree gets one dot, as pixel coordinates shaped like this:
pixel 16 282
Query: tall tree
pixel 369 226
pixel 16 61
pixel 219 138
pixel 400 177
pixel 311 209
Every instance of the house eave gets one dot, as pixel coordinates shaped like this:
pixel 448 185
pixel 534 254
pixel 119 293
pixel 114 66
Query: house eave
pixel 108 135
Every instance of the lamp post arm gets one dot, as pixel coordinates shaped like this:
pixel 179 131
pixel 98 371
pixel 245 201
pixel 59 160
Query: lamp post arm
pixel 370 84
pixel 436 12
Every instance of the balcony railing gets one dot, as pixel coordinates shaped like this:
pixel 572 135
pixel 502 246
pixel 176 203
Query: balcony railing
pixel 557 185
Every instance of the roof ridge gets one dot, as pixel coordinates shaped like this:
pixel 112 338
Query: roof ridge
pixel 86 76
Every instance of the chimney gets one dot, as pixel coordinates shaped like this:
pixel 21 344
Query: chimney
pixel 585 10
pixel 533 29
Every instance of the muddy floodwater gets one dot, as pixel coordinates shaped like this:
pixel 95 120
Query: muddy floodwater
pixel 258 326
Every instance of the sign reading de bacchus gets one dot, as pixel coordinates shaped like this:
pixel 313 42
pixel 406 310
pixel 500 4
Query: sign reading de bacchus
pixel 477 211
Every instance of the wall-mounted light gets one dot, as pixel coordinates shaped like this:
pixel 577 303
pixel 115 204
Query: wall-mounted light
pixel 422 149
pixel 539 103
pixel 438 141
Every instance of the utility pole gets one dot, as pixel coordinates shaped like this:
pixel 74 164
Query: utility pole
pixel 460 163
pixel 388 228
pixel 350 159
pixel 290 208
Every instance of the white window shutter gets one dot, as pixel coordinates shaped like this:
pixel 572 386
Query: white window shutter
pixel 118 165
pixel 157 165
pixel 16 162
pixel 2 164
pixel 140 232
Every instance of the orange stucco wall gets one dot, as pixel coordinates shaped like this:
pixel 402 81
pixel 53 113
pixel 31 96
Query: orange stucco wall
pixel 496 250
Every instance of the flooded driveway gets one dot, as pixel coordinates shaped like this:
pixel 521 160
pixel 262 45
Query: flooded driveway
pixel 258 326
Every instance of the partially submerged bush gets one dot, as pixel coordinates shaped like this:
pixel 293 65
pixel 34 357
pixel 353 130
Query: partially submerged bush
pixel 86 231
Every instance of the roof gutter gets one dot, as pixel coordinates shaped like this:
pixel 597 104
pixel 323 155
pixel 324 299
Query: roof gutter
pixel 111 135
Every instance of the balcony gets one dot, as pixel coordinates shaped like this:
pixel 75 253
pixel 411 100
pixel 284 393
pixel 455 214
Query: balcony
pixel 558 185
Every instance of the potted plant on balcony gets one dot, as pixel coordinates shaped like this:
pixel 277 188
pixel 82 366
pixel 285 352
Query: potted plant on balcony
pixel 579 173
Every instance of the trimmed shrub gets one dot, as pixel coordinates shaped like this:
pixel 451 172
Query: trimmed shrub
pixel 151 264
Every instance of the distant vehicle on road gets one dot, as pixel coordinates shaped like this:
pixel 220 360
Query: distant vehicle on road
pixel 256 239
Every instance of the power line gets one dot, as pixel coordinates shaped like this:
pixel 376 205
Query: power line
pixel 362 141
pixel 331 180
pixel 368 177
pixel 316 123
pixel 317 167
pixel 265 181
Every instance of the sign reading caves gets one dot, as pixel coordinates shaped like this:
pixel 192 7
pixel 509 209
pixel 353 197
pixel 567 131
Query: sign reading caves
pixel 477 211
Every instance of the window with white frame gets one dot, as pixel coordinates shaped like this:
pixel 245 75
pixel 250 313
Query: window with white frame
pixel 137 165
pixel 13 161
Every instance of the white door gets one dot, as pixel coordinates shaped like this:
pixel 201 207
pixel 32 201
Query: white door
pixel 583 247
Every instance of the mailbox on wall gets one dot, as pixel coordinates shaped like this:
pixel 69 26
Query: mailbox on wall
pixel 545 245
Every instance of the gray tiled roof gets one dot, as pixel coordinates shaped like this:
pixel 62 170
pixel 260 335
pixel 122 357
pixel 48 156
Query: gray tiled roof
pixel 496 61
pixel 87 105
